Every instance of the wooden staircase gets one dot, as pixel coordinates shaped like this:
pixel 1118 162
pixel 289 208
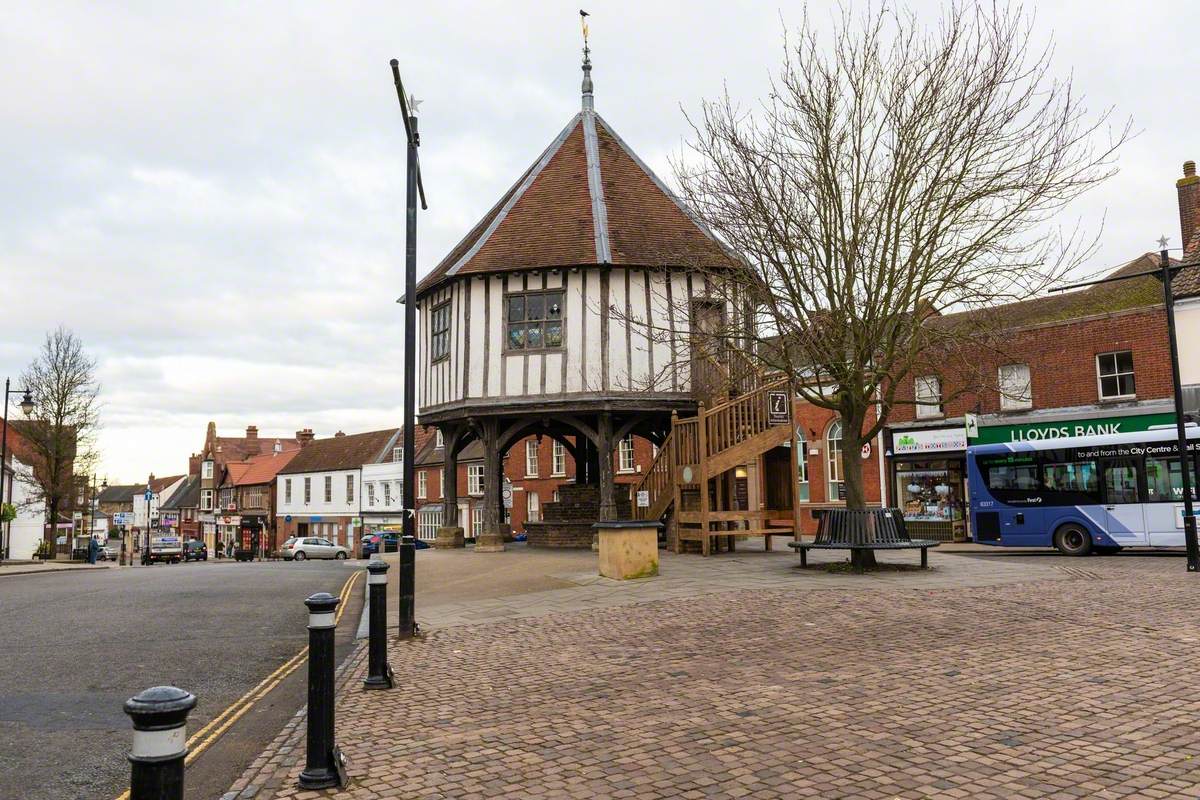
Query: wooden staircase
pixel 688 483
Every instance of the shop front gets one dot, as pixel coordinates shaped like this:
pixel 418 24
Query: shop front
pixel 251 540
pixel 928 469
pixel 227 532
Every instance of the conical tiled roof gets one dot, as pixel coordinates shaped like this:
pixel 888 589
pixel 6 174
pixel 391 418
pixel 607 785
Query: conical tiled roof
pixel 588 199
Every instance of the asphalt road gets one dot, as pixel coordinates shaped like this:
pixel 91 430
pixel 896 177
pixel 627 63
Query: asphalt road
pixel 78 644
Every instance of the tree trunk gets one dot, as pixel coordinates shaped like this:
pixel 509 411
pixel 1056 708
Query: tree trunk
pixel 52 534
pixel 852 476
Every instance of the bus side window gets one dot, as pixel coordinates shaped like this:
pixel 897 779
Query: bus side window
pixel 1071 482
pixel 1164 481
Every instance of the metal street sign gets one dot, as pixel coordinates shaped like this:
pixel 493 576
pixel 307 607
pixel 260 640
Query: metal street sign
pixel 778 411
pixel 507 493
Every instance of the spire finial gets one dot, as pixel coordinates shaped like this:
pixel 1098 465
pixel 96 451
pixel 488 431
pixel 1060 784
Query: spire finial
pixel 587 63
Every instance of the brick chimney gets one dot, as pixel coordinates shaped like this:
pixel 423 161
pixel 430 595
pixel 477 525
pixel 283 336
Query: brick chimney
pixel 1188 188
pixel 305 436
pixel 251 431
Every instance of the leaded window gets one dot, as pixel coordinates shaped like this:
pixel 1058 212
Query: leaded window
pixel 534 320
pixel 439 332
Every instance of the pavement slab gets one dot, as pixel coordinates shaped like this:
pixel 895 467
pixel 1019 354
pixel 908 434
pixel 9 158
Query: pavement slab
pixel 985 678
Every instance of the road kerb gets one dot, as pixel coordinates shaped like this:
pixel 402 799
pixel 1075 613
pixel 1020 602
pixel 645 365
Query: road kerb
pixel 199 741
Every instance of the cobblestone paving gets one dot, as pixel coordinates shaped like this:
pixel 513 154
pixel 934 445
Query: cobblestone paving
pixel 1073 687
pixel 750 568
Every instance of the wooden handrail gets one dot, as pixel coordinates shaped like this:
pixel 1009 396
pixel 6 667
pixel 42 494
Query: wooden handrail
pixel 731 423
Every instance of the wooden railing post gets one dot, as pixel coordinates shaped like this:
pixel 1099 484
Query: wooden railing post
pixel 702 468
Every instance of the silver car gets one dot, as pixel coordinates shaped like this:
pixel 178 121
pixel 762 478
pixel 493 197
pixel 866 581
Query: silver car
pixel 301 548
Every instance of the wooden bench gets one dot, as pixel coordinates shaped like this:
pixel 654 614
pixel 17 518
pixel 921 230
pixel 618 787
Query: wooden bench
pixel 860 531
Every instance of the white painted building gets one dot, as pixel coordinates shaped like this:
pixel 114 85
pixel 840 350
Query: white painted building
pixel 383 493
pixel 161 489
pixel 1187 287
pixel 26 530
pixel 320 491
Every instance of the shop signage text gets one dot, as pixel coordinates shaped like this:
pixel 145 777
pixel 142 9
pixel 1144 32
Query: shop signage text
pixel 1038 431
pixel 928 441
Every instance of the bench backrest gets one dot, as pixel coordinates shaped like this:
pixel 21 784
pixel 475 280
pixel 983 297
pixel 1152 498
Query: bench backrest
pixel 868 526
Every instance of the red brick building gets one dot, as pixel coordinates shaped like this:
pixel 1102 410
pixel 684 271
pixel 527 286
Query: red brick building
pixel 1092 360
pixel 535 468
pixel 211 464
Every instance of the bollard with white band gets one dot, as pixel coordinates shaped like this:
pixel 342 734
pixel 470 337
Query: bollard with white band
pixel 323 764
pixel 407 586
pixel 379 672
pixel 159 742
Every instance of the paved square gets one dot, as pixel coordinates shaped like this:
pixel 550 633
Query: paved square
pixel 1077 682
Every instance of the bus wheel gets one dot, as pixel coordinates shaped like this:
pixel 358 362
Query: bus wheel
pixel 1073 540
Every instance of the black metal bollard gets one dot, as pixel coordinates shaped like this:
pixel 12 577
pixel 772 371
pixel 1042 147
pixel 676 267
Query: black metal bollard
pixel 379 672
pixel 408 579
pixel 159 742
pixel 323 765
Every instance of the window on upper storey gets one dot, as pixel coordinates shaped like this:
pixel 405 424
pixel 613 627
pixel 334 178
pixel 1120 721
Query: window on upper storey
pixel 535 320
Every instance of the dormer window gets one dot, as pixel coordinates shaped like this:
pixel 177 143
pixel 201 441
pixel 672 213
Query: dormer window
pixel 534 320
pixel 439 334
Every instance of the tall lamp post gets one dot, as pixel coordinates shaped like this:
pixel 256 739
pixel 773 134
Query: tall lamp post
pixel 1165 272
pixel 414 186
pixel 26 409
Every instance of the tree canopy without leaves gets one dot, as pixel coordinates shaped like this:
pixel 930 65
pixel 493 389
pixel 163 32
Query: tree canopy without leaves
pixel 60 432
pixel 894 172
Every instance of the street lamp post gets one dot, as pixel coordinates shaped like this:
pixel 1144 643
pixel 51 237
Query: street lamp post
pixel 414 187
pixel 26 408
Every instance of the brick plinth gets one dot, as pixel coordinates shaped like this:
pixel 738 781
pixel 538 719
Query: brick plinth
pixel 561 535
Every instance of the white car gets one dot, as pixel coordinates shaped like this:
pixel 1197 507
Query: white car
pixel 301 548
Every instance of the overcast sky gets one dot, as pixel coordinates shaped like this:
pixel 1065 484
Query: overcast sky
pixel 210 194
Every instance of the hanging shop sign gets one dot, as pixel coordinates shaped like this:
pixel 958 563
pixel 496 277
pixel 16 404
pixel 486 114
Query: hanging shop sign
pixel 778 408
pixel 1061 429
pixel 928 440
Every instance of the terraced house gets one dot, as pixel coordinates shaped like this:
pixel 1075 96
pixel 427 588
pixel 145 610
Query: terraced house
pixel 319 493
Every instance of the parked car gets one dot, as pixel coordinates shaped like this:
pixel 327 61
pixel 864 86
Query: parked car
pixel 372 541
pixel 299 549
pixel 195 550
pixel 110 552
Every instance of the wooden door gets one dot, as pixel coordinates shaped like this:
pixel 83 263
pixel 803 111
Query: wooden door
pixel 708 322
pixel 777 478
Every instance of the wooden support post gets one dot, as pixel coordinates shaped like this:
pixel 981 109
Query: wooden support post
pixel 450 534
pixel 608 501
pixel 702 469
pixel 796 478
pixel 491 539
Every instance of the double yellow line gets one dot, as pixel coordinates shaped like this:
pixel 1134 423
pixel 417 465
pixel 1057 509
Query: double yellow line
pixel 200 741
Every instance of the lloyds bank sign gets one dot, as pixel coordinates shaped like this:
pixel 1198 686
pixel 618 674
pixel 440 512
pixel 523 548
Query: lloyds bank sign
pixel 1061 429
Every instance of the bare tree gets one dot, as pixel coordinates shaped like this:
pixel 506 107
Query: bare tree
pixel 894 172
pixel 61 430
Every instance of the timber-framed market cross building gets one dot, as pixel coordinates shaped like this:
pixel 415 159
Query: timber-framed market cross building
pixel 568 312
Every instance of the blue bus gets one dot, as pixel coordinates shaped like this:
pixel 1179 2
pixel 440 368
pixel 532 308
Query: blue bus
pixel 1081 494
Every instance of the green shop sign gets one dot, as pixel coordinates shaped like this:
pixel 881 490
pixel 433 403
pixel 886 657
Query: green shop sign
pixel 1060 429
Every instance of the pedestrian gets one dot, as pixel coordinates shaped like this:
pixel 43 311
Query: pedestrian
pixel 93 550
